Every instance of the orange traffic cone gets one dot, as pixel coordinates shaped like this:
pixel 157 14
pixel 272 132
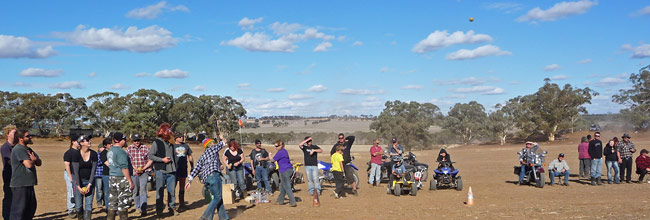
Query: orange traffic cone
pixel 470 197
pixel 316 202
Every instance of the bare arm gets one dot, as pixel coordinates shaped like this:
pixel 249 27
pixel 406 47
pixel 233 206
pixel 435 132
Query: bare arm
pixel 191 161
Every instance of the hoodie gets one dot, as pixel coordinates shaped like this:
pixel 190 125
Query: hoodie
pixel 447 156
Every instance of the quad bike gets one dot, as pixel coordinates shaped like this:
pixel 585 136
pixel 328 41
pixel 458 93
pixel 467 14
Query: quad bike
pixel 446 177
pixel 406 183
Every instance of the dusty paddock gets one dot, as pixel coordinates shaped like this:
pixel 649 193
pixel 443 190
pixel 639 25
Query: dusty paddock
pixel 486 168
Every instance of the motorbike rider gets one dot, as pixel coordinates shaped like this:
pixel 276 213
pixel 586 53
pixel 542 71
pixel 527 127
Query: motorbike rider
pixel 398 170
pixel 523 158
pixel 443 156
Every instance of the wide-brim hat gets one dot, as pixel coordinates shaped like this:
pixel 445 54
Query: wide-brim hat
pixel 529 142
pixel 626 135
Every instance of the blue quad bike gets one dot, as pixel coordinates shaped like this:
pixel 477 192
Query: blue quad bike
pixel 446 177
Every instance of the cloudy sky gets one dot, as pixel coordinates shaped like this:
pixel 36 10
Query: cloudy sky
pixel 328 57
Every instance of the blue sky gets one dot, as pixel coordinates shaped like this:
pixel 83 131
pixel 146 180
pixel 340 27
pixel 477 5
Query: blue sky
pixel 329 57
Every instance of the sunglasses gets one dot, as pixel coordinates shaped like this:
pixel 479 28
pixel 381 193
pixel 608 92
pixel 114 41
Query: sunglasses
pixel 341 138
pixel 277 145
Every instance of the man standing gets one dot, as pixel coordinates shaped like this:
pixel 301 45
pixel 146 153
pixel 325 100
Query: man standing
pixel 183 154
pixel 208 166
pixel 69 157
pixel 627 149
pixel 375 163
pixel 103 156
pixel 596 154
pixel 559 167
pixel 121 185
pixel 139 155
pixel 164 163
pixel 310 152
pixel 9 130
pixel 259 159
pixel 643 164
pixel 346 146
pixel 23 177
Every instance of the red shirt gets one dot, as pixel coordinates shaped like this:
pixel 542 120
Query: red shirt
pixel 138 155
pixel 642 162
pixel 375 159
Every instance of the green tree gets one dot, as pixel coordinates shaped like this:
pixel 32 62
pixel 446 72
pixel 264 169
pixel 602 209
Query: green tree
pixel 409 122
pixel 637 98
pixel 106 111
pixel 466 120
pixel 68 111
pixel 147 109
pixel 501 122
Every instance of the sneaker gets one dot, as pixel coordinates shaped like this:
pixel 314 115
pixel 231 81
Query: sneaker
pixel 336 195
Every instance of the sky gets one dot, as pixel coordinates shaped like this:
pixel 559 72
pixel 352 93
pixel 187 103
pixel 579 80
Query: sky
pixel 318 58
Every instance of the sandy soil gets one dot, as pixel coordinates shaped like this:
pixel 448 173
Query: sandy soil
pixel 486 168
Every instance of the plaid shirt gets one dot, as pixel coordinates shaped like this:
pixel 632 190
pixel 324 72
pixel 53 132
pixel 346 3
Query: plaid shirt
pixel 208 163
pixel 100 166
pixel 139 156
pixel 626 149
pixel 642 162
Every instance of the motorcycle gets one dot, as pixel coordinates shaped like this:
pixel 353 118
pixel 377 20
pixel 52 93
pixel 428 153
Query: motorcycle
pixel 326 173
pixel 248 176
pixel 446 177
pixel 534 165
pixel 411 160
pixel 274 175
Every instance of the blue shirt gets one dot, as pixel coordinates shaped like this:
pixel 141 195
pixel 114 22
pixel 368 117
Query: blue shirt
pixel 399 169
pixel 282 157
pixel 208 163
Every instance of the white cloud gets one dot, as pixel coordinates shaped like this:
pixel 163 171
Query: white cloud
pixel 515 82
pixel 199 88
pixel 486 90
pixel 307 70
pixel 482 51
pixel 361 92
pixel 92 74
pixel 439 39
pixel 284 28
pixel 372 102
pixel 299 97
pixel 585 61
pixel 643 11
pixel 21 84
pixel 261 42
pixel 322 47
pixel 175 73
pixel 552 67
pixel 357 43
pixel 559 77
pixel 247 23
pixel 37 72
pixel 21 47
pixel 149 39
pixel 468 81
pixel 641 51
pixel 243 85
pixel 67 85
pixel 174 89
pixel 276 90
pixel 120 86
pixel 507 7
pixel 317 88
pixel 152 11
pixel 415 87
pixel 559 10
pixel 456 96
pixel 143 74
pixel 609 81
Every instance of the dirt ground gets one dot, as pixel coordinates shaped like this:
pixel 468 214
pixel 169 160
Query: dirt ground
pixel 486 168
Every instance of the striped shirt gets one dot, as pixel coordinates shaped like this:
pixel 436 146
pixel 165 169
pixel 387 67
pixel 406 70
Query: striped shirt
pixel 626 149
pixel 208 163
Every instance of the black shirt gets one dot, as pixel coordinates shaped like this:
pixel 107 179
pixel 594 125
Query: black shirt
pixel 310 160
pixel 347 145
pixel 596 149
pixel 71 155
pixel 85 167
pixel 610 153
pixel 181 152
pixel 256 155
pixel 102 156
pixel 234 159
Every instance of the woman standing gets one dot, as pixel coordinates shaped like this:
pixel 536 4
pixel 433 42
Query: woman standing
pixel 84 173
pixel 285 168
pixel 234 158
pixel 70 156
pixel 612 156
pixel 585 159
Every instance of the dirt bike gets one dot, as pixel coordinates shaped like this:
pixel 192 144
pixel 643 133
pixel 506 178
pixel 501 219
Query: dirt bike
pixel 411 160
pixel 446 177
pixel 326 173
pixel 274 175
pixel 533 162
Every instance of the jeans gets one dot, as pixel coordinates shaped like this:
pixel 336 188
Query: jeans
pixel 262 175
pixel 99 190
pixel 83 200
pixel 553 174
pixel 596 167
pixel 23 204
pixel 70 192
pixel 213 184
pixel 312 179
pixel 106 190
pixel 140 190
pixel 237 178
pixel 6 201
pixel 522 173
pixel 285 187
pixel 226 177
pixel 162 180
pixel 375 173
pixel 585 167
pixel 612 164
pixel 626 169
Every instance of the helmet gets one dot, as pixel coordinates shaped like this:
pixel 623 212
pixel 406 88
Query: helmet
pixel 397 159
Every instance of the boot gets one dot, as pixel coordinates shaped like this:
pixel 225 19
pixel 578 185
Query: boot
pixel 181 201
pixel 87 215
pixel 80 214
pixel 111 214
pixel 124 215
pixel 598 181
pixel 593 181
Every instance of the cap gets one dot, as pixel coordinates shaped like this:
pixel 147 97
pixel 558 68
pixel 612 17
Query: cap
pixel 394 140
pixel 178 134
pixel 207 142
pixel 529 142
pixel 561 155
pixel 118 136
pixel 137 137
pixel 257 141
pixel 626 135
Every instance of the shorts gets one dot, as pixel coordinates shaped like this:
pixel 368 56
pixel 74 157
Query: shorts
pixel 120 196
pixel 349 174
